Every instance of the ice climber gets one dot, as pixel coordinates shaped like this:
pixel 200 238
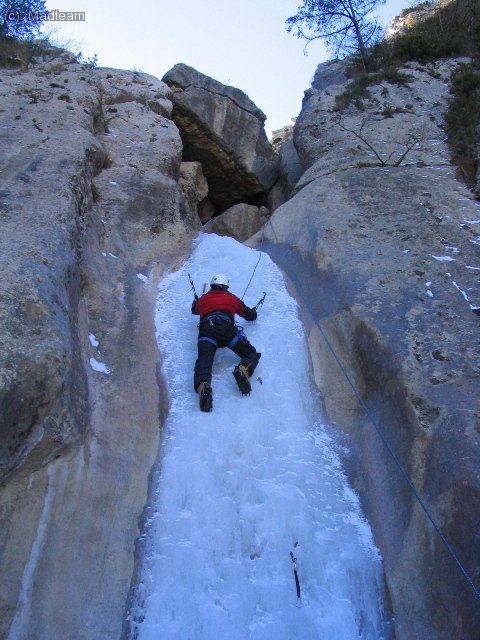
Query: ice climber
pixel 217 309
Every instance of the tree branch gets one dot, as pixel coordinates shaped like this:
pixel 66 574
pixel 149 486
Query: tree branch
pixel 411 141
pixel 338 121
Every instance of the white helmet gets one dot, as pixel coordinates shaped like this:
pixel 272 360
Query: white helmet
pixel 220 280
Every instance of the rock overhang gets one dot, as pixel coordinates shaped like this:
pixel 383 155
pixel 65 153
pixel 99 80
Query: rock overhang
pixel 224 130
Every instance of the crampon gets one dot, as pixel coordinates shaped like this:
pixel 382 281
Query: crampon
pixel 241 378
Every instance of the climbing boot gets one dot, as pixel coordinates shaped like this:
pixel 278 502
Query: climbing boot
pixel 240 373
pixel 206 399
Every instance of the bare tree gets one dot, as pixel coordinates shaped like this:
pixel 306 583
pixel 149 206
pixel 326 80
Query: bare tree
pixel 21 18
pixel 402 147
pixel 347 26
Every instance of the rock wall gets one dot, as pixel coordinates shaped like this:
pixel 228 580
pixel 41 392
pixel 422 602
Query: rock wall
pixel 381 244
pixel 92 216
pixel 240 221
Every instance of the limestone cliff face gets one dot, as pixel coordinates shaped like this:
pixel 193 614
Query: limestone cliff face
pixel 380 241
pixel 91 217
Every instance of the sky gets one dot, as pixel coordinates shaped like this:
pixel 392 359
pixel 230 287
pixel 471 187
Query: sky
pixel 243 44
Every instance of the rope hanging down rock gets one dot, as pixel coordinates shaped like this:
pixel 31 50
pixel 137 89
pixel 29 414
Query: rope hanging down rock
pixel 258 261
pixel 450 550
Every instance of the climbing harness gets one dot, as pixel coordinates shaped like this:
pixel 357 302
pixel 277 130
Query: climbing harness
pixel 450 550
pixel 216 315
pixel 238 337
pixel 224 317
pixel 295 574
pixel 210 340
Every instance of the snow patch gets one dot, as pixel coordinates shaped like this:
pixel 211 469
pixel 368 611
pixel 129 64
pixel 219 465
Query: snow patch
pixel 99 366
pixel 444 258
pixel 93 340
pixel 459 289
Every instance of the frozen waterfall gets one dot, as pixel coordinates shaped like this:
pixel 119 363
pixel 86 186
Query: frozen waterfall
pixel 238 489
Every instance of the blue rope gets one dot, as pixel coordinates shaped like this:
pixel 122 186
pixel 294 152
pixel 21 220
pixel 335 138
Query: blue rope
pixel 368 413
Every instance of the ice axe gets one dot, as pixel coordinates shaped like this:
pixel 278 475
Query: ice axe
pixel 260 302
pixel 194 291
pixel 295 574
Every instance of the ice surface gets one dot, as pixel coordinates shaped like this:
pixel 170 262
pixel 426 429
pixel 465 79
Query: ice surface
pixel 239 488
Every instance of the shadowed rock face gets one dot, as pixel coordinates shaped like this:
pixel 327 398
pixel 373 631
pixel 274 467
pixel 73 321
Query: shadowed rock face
pixel 385 261
pixel 222 128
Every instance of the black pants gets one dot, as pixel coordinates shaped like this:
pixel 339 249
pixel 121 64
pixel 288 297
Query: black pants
pixel 218 333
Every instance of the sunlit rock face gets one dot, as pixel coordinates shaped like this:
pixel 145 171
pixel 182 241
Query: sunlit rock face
pixel 224 130
pixel 91 216
pixel 382 243
pixel 240 221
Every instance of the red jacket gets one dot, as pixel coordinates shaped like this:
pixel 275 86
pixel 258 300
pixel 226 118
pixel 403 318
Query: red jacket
pixel 219 300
